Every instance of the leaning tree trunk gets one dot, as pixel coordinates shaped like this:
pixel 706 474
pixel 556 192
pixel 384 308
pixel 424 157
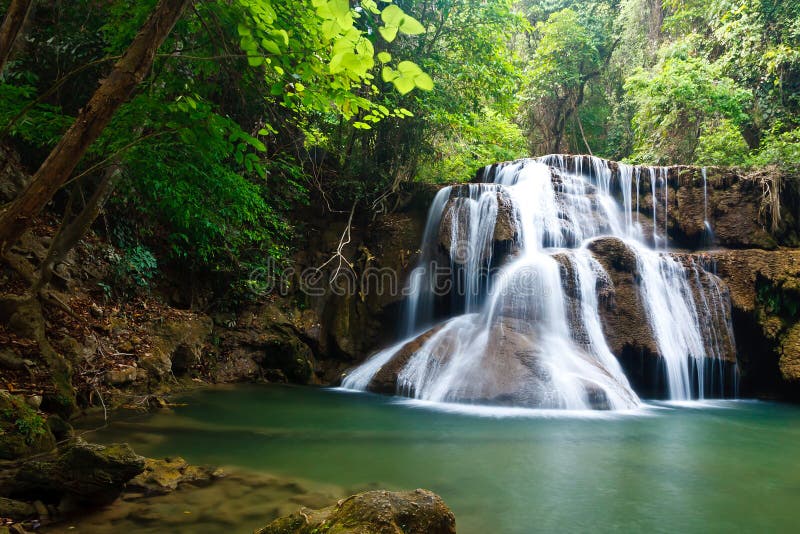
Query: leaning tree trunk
pixel 72 232
pixel 115 90
pixel 15 18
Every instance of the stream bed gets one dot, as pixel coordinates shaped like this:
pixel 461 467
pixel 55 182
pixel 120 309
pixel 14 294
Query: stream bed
pixel 718 466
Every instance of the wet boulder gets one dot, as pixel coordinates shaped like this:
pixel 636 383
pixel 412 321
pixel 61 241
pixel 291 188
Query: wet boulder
pixel 373 512
pixel 164 476
pixel 459 217
pixel 83 471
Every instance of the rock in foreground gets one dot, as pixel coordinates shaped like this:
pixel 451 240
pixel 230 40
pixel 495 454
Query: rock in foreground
pixel 374 512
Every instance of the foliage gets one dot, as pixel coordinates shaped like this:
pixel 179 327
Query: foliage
pixel 677 103
pixel 255 108
pixel 25 421
pixel 777 300
pixel 469 143
pixel 721 143
pixel 134 269
pixel 568 52
pixel 780 148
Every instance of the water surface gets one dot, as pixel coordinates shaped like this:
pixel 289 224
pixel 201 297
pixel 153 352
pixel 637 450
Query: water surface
pixel 725 466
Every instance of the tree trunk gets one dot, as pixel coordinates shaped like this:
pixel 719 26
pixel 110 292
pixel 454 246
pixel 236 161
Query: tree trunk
pixel 72 232
pixel 15 18
pixel 115 90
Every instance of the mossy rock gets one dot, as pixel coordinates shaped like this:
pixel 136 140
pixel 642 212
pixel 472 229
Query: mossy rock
pixel 16 510
pixel 87 472
pixel 372 512
pixel 23 432
pixel 790 354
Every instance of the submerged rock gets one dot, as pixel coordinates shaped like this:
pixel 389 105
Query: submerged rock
pixel 373 512
pixel 83 471
pixel 164 476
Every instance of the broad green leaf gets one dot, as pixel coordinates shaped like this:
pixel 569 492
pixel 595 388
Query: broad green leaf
pixel 371 6
pixel 271 46
pixel 243 30
pixel 388 33
pixel 255 61
pixel 364 47
pixel 403 85
pixel 384 57
pixel 392 15
pixel 388 74
pixel 408 68
pixel 411 26
pixel 424 82
pixel 283 34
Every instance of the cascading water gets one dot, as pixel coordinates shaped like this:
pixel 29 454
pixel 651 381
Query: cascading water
pixel 709 232
pixel 527 330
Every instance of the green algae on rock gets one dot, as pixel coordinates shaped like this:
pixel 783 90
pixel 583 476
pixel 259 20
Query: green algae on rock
pixel 373 512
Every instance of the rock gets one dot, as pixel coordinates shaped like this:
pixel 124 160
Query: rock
pixel 125 375
pixel 624 317
pixel 177 345
pixel 9 360
pixel 87 472
pixel 22 431
pixel 765 292
pixel 16 510
pixel 511 371
pixel 164 476
pixel 374 512
pixel 41 510
pixel 34 401
pixel 385 380
pixel 60 428
pixel 735 208
pixel 789 362
pixel 457 212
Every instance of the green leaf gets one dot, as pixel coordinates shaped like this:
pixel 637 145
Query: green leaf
pixel 384 57
pixel 255 61
pixel 408 68
pixel 392 15
pixel 371 6
pixel 271 46
pixel 388 33
pixel 424 82
pixel 388 74
pixel 243 30
pixel 411 26
pixel 283 34
pixel 404 85
pixel 340 10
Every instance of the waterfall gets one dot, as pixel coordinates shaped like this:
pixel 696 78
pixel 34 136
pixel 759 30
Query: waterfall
pixel 709 232
pixel 524 326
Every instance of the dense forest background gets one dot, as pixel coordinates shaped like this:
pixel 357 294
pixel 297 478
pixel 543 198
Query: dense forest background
pixel 255 109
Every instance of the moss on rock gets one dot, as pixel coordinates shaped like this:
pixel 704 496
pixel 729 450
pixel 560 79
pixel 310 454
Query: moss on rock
pixel 373 512
pixel 23 432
